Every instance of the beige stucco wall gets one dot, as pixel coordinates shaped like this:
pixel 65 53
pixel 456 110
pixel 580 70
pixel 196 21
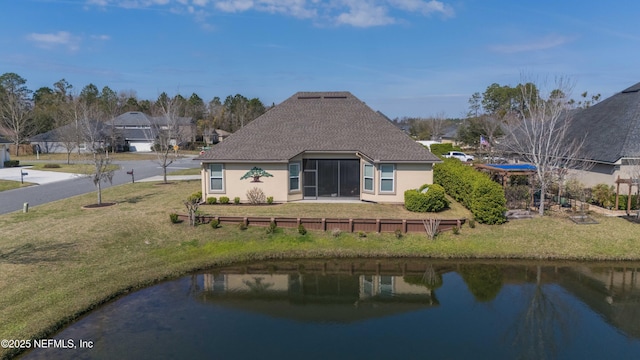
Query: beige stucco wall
pixel 407 176
pixel 276 186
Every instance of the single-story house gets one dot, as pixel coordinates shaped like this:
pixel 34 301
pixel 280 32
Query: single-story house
pixel 611 133
pixel 215 136
pixel 70 139
pixel 318 145
pixel 140 130
pixel 4 151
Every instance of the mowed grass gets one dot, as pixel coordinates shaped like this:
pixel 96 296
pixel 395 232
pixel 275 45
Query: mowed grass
pixel 9 184
pixel 59 261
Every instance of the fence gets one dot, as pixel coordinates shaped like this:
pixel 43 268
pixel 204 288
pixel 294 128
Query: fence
pixel 324 224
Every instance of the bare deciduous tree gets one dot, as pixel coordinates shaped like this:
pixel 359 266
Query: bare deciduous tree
pixel 15 108
pixel 168 129
pixel 94 137
pixel 541 135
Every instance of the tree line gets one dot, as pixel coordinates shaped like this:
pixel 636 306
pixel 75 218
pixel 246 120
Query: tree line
pixel 24 112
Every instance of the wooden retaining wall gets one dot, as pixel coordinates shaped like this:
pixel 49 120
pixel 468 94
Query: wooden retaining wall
pixel 324 224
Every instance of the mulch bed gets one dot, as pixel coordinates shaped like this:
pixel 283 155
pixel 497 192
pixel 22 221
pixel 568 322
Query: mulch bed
pixel 99 206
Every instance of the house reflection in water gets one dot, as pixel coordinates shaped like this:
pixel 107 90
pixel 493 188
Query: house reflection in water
pixel 319 297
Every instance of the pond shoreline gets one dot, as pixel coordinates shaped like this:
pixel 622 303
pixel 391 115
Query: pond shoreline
pixel 58 262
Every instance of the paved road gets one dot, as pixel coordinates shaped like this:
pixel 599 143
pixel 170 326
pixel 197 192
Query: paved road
pixel 13 200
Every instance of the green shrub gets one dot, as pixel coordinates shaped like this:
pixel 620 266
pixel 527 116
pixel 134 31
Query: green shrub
pixel 270 200
pixel 212 200
pixel 242 226
pixel 603 195
pixel 336 232
pixel 623 200
pixel 441 149
pixel 271 229
pixel 174 218
pixel 236 200
pixel 433 200
pixel 456 230
pixel 472 223
pixel 301 230
pixel 474 190
pixel 398 233
pixel 488 205
pixel 215 224
pixel 12 163
pixel 51 166
pixel 196 197
pixel 224 200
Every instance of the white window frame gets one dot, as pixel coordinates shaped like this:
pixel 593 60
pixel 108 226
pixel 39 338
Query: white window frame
pixel 365 177
pixel 295 176
pixel 211 177
pixel 392 178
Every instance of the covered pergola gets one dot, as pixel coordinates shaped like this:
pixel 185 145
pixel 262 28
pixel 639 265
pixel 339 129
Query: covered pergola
pixel 630 184
pixel 505 171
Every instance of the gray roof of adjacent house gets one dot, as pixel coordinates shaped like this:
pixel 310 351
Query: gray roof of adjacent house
pixel 611 128
pixel 319 122
pixel 137 118
pixel 132 118
pixel 60 134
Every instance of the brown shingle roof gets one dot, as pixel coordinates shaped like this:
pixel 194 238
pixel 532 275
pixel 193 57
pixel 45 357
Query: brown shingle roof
pixel 319 121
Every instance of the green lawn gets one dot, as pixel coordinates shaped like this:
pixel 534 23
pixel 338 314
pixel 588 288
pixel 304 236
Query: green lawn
pixel 9 184
pixel 58 261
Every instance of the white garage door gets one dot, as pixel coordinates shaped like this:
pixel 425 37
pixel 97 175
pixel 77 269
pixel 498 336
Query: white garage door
pixel 139 146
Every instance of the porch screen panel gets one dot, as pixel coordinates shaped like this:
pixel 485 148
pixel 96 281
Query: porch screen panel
pixel 349 178
pixel 328 178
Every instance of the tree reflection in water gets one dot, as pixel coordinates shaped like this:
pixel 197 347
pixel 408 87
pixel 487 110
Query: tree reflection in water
pixel 543 324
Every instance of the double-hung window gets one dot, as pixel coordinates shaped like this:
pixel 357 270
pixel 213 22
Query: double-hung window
pixel 294 176
pixel 367 177
pixel 217 177
pixel 387 178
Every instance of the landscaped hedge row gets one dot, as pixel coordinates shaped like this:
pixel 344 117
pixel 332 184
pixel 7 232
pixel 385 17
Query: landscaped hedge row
pixel 12 163
pixel 432 200
pixel 476 191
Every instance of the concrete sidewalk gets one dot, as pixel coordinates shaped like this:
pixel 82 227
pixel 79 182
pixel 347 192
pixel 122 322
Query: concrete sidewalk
pixel 36 176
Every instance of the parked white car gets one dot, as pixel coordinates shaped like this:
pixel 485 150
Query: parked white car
pixel 459 155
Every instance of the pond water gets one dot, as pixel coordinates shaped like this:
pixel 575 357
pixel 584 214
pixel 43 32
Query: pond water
pixel 371 309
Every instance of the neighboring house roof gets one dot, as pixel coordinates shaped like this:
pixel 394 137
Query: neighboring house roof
pixel 319 122
pixel 58 134
pixel 611 128
pixel 136 118
pixel 222 133
pixel 132 118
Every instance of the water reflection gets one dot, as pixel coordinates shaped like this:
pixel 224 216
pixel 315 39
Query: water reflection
pixel 397 308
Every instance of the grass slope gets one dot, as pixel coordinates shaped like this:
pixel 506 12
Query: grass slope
pixel 59 261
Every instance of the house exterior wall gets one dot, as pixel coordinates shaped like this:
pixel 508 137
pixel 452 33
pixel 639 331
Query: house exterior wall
pixel 276 186
pixel 4 154
pixel 406 176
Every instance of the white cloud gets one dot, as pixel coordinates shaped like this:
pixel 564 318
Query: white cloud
pixel 358 13
pixel 424 7
pixel 52 40
pixel 234 5
pixel 363 14
pixel 548 42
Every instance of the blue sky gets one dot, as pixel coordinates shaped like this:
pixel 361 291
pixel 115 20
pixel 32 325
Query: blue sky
pixel 401 57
